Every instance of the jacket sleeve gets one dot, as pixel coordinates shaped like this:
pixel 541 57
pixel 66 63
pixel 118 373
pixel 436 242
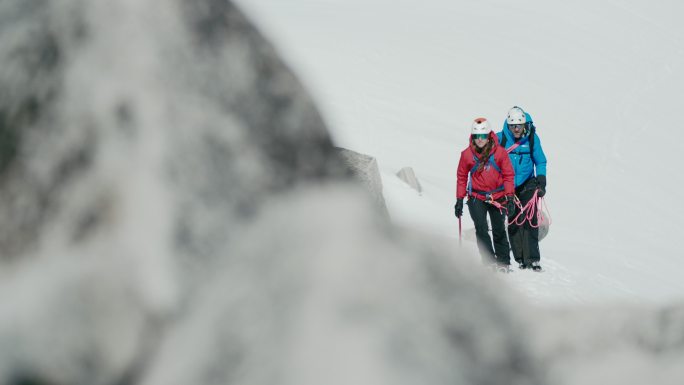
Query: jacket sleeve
pixel 507 172
pixel 539 156
pixel 462 176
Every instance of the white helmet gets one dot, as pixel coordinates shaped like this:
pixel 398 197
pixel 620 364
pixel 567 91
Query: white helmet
pixel 480 126
pixel 516 116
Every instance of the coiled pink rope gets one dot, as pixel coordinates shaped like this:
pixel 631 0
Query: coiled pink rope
pixel 532 209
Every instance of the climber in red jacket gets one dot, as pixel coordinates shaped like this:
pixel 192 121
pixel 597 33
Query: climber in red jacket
pixel 486 176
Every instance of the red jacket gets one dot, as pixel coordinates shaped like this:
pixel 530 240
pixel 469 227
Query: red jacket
pixel 488 179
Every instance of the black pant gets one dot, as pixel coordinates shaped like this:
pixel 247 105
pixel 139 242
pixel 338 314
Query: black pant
pixel 525 238
pixel 478 212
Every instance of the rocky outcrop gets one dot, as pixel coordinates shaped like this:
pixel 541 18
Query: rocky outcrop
pixel 365 169
pixel 408 176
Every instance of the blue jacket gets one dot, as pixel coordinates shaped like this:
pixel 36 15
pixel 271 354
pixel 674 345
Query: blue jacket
pixel 523 165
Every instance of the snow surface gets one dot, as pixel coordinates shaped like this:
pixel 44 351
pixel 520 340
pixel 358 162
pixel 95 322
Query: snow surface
pixel 401 80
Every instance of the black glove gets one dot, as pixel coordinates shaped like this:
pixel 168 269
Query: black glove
pixel 510 206
pixel 458 208
pixel 541 185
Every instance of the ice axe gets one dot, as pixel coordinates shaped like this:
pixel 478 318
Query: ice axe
pixel 459 231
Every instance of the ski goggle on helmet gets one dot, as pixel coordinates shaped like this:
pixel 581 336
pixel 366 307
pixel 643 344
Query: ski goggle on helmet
pixel 516 118
pixel 480 129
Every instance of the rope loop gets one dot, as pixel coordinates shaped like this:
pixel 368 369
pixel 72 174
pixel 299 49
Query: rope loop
pixel 534 209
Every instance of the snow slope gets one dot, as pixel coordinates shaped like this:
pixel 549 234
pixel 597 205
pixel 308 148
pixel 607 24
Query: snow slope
pixel 401 80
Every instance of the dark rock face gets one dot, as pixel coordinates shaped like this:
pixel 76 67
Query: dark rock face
pixel 71 80
pixel 174 212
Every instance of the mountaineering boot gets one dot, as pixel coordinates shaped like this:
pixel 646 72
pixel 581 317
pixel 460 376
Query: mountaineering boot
pixel 523 266
pixel 536 266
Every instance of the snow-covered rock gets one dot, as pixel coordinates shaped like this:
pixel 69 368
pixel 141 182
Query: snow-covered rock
pixel 407 175
pixel 365 168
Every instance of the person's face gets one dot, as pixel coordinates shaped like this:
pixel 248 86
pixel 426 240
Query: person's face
pixel 480 140
pixel 517 129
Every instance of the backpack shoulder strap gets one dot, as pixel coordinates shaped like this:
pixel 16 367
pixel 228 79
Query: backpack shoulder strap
pixel 477 163
pixel 470 175
pixel 532 132
pixel 492 162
